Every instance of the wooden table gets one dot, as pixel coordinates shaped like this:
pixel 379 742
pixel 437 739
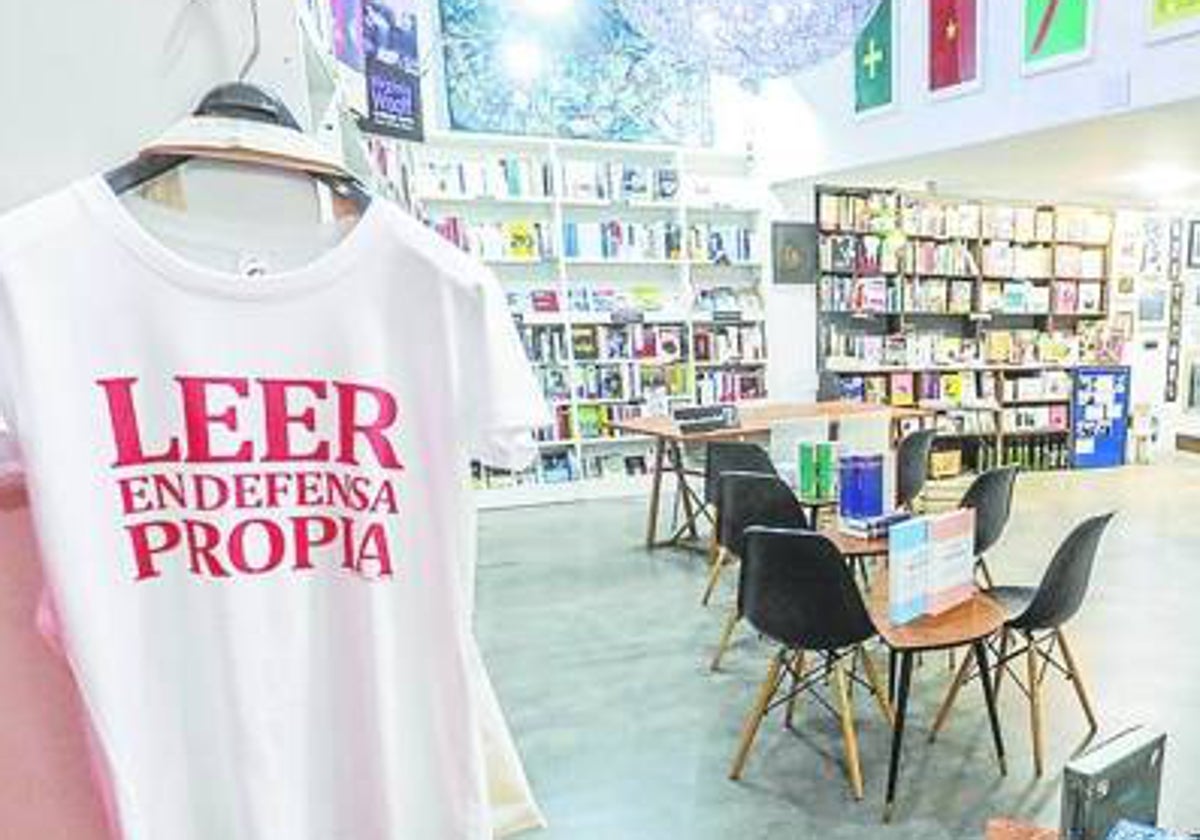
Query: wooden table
pixel 755 420
pixel 970 623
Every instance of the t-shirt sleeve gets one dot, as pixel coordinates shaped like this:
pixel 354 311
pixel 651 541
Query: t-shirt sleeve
pixel 504 402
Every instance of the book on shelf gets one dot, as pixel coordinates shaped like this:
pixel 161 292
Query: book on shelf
pixel 618 240
pixel 943 259
pixel 519 177
pixel 903 392
pixel 515 239
pixel 1091 298
pixel 721 244
pixel 924 217
pixel 544 344
pixel 744 302
pixel 1008 259
pixel 1066 297
pixel 859 212
pixel 544 300
pixel 585 342
pixel 606 300
pixel 724 343
pixel 725 386
pixel 557 467
pixel 1083 226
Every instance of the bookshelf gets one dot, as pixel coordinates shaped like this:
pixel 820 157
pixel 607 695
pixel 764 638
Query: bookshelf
pixel 633 274
pixel 979 311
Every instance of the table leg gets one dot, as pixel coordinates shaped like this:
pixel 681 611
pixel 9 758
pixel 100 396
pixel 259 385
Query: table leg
pixel 685 490
pixel 989 696
pixel 660 452
pixel 893 661
pixel 901 712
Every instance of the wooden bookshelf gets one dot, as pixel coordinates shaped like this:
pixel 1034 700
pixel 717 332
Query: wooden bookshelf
pixel 929 287
pixel 539 185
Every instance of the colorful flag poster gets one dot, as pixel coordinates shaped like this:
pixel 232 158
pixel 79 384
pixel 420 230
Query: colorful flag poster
pixel 954 48
pixel 1056 33
pixel 1172 18
pixel 874 61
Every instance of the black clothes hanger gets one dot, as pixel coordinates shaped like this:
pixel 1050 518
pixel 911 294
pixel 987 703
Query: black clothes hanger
pixel 238 100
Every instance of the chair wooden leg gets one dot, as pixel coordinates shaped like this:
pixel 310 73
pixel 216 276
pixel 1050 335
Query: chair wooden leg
pixel 1077 680
pixel 877 687
pixel 726 634
pixel 714 574
pixel 1035 703
pixel 960 677
pixel 851 740
pixel 767 691
pixel 797 678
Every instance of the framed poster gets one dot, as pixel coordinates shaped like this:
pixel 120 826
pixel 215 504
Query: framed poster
pixel 597 78
pixel 1193 245
pixel 348 52
pixel 392 64
pixel 1166 19
pixel 875 65
pixel 1152 306
pixel 955 47
pixel 1055 33
pixel 794 253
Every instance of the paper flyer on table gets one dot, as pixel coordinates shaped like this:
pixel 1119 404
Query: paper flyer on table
pixel 951 561
pixel 908 570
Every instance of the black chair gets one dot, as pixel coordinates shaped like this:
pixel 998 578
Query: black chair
pixel 990 496
pixel 722 457
pixel 1036 619
pixel 799 594
pixel 749 499
pixel 912 466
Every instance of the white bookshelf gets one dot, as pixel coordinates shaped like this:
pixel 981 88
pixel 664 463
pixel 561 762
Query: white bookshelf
pixel 679 280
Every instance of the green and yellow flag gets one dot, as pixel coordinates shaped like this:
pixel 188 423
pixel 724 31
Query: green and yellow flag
pixel 1056 29
pixel 873 62
pixel 1165 14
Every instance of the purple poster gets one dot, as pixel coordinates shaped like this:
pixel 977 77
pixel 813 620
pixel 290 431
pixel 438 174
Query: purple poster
pixel 393 68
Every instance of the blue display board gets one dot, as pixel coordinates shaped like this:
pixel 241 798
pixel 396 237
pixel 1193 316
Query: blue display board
pixel 1100 417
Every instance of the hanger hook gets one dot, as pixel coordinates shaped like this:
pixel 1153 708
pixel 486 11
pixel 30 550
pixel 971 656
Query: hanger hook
pixel 256 44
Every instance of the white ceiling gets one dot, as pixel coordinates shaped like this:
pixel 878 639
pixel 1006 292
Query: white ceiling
pixel 1144 158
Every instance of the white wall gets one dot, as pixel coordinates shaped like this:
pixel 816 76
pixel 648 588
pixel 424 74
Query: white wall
pixel 811 128
pixel 83 84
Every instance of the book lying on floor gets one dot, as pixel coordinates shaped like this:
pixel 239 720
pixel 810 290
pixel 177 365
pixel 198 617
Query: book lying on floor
pixel 1120 779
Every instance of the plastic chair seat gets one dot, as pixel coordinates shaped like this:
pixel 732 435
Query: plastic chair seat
pixel 1014 600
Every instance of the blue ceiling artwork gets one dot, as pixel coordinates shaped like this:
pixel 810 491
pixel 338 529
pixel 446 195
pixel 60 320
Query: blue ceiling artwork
pixel 512 68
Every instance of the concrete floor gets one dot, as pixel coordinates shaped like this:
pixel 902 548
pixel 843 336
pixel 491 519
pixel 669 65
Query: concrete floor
pixel 599 654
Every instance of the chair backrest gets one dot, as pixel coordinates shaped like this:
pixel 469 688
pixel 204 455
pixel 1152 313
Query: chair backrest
pixel 990 496
pixel 1065 583
pixel 747 499
pixel 798 590
pixel 725 456
pixel 912 466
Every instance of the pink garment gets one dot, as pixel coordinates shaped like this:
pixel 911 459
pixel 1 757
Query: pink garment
pixel 47 787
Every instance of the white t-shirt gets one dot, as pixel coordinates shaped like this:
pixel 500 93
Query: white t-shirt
pixel 252 505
